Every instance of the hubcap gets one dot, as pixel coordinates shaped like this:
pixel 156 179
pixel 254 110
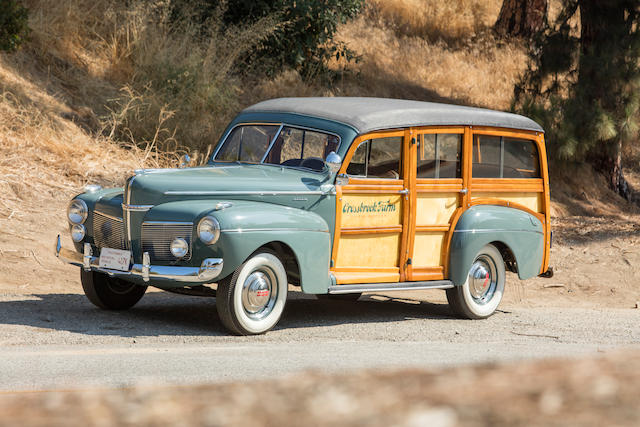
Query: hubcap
pixel 483 279
pixel 258 296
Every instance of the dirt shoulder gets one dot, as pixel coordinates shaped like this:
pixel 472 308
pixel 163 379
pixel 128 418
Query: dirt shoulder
pixel 593 391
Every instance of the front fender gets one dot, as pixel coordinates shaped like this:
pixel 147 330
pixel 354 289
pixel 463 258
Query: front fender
pixel 480 225
pixel 247 225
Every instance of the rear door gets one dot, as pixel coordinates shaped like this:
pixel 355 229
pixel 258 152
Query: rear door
pixel 438 177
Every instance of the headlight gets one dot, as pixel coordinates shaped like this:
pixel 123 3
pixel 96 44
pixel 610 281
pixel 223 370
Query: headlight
pixel 179 247
pixel 209 230
pixel 78 232
pixel 77 211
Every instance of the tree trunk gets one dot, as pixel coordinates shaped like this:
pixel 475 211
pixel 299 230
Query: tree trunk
pixel 521 18
pixel 602 29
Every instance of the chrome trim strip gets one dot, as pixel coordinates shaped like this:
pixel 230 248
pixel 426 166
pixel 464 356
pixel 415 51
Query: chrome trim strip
pixel 128 212
pixel 136 208
pixel 243 193
pixel 273 141
pixel 115 218
pixel 247 230
pixel 496 231
pixel 208 270
pixel 281 124
pixel 399 286
pixel 166 223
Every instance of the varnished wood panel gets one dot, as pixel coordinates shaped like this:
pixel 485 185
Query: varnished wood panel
pixel 427 249
pixel 345 278
pixel 368 250
pixel 371 210
pixel 435 208
pixel 532 201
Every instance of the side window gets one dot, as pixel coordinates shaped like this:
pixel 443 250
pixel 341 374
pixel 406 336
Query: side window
pixel 499 157
pixel 378 158
pixel 439 156
pixel 303 148
pixel 520 159
pixel 486 157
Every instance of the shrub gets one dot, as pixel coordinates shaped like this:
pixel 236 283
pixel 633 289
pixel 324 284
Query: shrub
pixel 13 25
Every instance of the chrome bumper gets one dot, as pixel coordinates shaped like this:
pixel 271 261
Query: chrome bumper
pixel 208 270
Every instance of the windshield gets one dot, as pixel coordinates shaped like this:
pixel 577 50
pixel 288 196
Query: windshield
pixel 291 147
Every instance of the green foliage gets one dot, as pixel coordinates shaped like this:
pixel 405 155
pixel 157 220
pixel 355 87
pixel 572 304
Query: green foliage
pixel 13 25
pixel 304 40
pixel 583 82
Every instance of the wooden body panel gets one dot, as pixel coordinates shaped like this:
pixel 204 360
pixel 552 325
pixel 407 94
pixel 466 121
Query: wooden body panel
pixel 411 240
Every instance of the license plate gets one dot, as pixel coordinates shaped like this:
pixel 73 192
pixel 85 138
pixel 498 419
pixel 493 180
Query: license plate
pixel 114 259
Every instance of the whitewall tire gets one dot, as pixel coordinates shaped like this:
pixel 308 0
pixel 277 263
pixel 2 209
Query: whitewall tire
pixel 481 293
pixel 252 299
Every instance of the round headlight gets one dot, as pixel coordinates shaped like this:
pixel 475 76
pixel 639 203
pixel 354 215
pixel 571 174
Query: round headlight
pixel 78 232
pixel 77 211
pixel 179 247
pixel 209 230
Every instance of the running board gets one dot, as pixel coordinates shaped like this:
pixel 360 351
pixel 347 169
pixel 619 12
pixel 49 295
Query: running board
pixel 397 286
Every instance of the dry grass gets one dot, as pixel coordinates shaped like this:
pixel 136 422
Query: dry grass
pixel 437 19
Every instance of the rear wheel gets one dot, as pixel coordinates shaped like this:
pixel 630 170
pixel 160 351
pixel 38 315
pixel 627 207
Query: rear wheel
pixel 480 295
pixel 110 293
pixel 252 299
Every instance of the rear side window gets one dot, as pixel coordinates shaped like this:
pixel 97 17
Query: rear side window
pixel 439 156
pixel 377 158
pixel 500 157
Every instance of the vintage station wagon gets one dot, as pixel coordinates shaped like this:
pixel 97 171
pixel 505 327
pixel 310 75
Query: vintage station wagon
pixel 337 196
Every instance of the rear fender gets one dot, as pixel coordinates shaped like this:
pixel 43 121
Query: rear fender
pixel 480 225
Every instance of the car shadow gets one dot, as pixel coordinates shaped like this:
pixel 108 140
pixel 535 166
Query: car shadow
pixel 164 314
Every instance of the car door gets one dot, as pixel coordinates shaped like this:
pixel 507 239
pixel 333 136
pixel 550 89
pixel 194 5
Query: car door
pixel 372 201
pixel 438 177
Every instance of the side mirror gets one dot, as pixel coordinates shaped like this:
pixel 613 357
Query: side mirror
pixel 333 162
pixel 184 161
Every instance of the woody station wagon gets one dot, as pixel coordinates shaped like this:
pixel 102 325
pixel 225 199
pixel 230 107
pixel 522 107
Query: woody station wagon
pixel 337 196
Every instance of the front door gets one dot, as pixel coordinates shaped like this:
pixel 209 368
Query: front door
pixel 438 194
pixel 371 231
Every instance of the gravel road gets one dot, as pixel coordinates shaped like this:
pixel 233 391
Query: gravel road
pixel 60 341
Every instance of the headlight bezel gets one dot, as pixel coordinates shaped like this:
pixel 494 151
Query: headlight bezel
pixel 208 230
pixel 78 228
pixel 78 218
pixel 184 245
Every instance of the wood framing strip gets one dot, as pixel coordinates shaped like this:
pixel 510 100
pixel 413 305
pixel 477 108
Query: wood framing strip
pixel 337 227
pixel 371 230
pixel 433 228
pixel 428 273
pixel 496 185
pixel 344 278
pixel 391 270
pixel 500 202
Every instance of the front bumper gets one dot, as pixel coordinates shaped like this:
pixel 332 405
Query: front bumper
pixel 208 270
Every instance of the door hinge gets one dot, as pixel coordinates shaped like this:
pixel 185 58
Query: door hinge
pixel 413 141
pixel 409 261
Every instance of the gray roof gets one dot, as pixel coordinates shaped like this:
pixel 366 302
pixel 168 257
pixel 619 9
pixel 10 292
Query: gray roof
pixel 370 114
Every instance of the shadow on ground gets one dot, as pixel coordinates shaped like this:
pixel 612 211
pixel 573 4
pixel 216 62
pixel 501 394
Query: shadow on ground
pixel 165 314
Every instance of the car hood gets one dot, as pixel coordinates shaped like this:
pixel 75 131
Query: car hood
pixel 152 187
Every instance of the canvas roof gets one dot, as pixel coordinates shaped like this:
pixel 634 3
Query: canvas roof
pixel 371 114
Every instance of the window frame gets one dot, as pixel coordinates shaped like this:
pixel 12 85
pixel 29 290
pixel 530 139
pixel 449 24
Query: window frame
pixel 280 125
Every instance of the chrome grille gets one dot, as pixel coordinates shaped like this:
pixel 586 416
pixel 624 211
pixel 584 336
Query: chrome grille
pixel 108 231
pixel 157 237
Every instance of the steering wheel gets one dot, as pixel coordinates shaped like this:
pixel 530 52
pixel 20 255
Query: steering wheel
pixel 315 163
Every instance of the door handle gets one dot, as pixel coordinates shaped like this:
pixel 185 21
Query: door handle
pixel 405 191
pixel 464 191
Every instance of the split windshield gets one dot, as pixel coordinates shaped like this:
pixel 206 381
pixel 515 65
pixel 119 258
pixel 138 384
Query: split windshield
pixel 291 146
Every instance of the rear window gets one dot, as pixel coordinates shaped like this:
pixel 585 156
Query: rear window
pixel 439 156
pixel 501 157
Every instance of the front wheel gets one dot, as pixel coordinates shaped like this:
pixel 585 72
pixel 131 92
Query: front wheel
pixel 252 300
pixel 479 296
pixel 110 293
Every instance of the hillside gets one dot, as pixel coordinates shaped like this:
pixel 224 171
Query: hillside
pixel 101 89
